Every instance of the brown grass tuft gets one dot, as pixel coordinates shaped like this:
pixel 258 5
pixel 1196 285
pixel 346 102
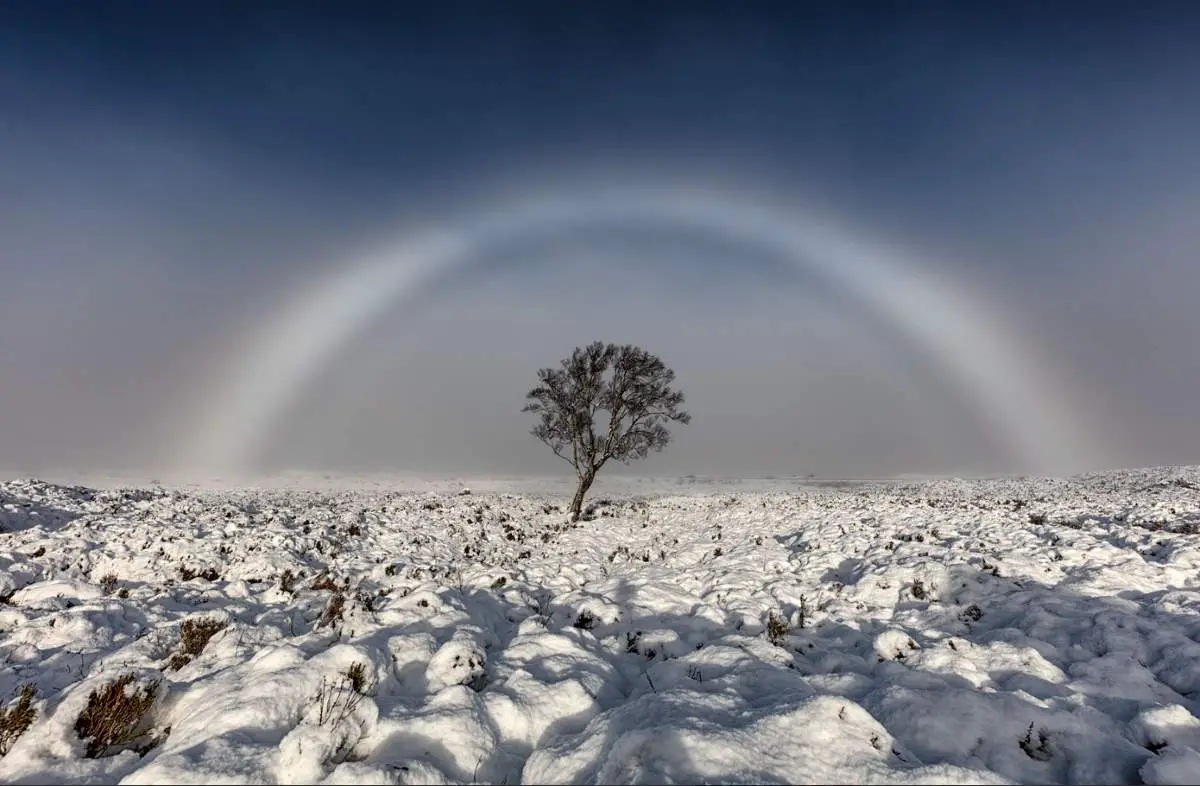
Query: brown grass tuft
pixel 333 610
pixel 325 582
pixel 115 715
pixel 194 634
pixel 15 720
pixel 178 661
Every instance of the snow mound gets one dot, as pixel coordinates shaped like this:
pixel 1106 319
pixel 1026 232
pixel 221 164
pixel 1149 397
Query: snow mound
pixel 681 737
pixel 1032 630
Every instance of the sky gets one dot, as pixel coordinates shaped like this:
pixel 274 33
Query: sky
pixel 172 174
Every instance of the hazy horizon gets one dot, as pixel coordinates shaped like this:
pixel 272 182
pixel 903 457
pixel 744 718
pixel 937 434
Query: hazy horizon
pixel 174 176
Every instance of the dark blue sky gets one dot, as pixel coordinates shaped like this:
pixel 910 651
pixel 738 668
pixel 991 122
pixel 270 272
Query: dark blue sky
pixel 165 166
pixel 952 106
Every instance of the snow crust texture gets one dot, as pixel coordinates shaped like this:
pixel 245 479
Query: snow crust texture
pixel 984 631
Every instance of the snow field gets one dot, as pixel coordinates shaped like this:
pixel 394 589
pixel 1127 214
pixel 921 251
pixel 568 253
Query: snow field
pixel 1040 630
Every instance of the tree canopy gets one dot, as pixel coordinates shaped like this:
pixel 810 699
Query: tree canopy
pixel 605 402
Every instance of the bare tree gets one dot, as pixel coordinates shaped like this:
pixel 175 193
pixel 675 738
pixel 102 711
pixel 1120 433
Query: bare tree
pixel 629 385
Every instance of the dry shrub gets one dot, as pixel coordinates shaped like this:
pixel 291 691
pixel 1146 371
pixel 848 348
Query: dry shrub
pixel 194 634
pixel 15 720
pixel 1042 751
pixel 357 675
pixel 208 574
pixel 333 610
pixel 115 715
pixel 325 582
pixel 109 584
pixel 777 629
pixel 585 621
pixel 336 701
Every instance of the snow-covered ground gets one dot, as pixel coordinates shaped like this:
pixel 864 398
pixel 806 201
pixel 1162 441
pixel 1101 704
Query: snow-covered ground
pixel 987 631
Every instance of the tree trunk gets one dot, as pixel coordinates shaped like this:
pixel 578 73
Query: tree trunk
pixel 585 483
